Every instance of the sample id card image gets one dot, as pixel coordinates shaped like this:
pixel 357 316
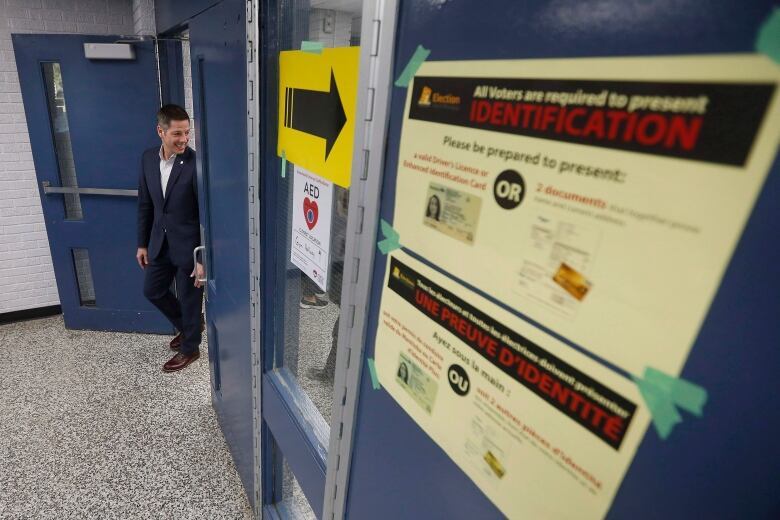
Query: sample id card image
pixel 416 382
pixel 452 212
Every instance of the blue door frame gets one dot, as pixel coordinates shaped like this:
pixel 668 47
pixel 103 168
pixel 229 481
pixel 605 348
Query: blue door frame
pixel 106 146
pixel 722 465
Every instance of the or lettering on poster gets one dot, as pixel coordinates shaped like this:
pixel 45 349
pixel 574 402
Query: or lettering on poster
pixel 601 198
pixel 312 209
pixel 512 406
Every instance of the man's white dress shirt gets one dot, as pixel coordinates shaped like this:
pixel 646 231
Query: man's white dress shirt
pixel 166 165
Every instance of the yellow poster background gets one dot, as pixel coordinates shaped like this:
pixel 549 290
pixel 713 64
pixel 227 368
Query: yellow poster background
pixel 312 71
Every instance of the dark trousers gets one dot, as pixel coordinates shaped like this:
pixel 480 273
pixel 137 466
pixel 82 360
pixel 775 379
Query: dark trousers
pixel 183 313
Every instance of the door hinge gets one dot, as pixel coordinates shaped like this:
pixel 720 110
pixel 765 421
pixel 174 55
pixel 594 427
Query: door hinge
pixel 364 171
pixel 375 38
pixel 361 214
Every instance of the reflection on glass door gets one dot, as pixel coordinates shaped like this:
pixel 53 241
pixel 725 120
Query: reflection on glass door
pixel 303 306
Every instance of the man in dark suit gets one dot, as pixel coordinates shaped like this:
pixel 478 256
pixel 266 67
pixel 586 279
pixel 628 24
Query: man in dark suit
pixel 169 231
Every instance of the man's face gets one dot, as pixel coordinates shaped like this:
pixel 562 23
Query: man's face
pixel 175 138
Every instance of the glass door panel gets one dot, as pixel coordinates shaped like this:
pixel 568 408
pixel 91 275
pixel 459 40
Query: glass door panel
pixel 301 311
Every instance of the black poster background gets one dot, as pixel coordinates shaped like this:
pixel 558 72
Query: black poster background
pixel 734 112
pixel 405 285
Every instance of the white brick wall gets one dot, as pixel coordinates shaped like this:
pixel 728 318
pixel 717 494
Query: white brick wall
pixel 26 274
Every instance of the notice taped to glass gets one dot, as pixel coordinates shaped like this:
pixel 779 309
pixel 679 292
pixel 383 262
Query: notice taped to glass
pixel 609 193
pixel 513 407
pixel 312 210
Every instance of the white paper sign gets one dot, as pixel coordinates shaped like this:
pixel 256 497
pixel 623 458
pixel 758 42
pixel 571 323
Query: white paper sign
pixel 310 247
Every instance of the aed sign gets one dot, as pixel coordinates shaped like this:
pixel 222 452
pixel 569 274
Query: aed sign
pixel 317 98
pixel 310 242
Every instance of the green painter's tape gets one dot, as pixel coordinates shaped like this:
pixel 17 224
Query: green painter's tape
pixel 284 164
pixel 686 395
pixel 312 47
pixel 419 56
pixel 664 393
pixel 391 240
pixel 372 370
pixel 768 38
pixel 665 415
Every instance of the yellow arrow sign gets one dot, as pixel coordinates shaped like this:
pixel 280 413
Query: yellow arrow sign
pixel 317 98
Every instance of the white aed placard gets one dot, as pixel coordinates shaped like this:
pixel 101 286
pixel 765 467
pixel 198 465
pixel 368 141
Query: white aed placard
pixel 310 244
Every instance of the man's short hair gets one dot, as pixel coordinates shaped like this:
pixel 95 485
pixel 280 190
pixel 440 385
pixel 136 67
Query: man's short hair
pixel 168 113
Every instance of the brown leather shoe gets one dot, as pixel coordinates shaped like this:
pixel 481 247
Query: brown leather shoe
pixel 179 361
pixel 176 341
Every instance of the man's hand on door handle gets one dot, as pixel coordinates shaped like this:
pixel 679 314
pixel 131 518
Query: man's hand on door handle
pixel 198 273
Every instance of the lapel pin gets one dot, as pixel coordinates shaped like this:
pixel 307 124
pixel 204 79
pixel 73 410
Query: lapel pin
pixel 182 162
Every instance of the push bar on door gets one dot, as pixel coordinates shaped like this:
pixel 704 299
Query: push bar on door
pixel 48 189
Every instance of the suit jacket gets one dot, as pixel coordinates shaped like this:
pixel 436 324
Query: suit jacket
pixel 176 215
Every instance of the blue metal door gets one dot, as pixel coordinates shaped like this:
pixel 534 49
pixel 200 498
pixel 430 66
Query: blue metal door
pixel 722 465
pixel 89 121
pixel 218 59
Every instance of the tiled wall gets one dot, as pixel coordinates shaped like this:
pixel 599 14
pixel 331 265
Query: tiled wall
pixel 143 17
pixel 187 66
pixel 26 274
pixel 329 27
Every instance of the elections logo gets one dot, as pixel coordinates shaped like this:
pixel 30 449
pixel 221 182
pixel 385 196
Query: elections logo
pixel 310 212
pixel 459 379
pixel 430 98
pixel 509 189
pixel 425 97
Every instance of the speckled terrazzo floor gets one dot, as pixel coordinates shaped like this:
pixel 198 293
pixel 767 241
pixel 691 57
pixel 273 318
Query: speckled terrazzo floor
pixel 90 427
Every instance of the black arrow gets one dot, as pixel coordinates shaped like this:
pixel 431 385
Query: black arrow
pixel 315 112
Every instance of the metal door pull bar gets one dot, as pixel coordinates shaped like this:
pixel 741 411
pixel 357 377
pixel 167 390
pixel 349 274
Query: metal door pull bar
pixel 48 189
pixel 202 249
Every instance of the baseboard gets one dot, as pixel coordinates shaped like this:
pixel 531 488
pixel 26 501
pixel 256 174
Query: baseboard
pixel 30 314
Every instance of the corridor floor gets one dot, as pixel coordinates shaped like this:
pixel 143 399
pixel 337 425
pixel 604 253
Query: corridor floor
pixel 90 427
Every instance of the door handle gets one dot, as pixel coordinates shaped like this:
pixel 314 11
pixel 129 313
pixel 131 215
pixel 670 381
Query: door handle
pixel 195 260
pixel 48 189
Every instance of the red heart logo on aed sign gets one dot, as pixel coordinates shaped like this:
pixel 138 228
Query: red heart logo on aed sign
pixel 310 212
